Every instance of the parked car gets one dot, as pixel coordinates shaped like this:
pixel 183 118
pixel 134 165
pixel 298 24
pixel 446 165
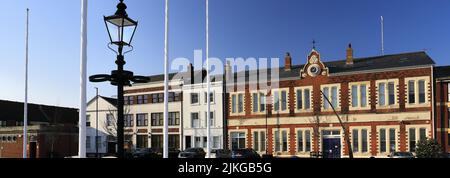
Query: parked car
pixel 145 153
pixel 244 153
pixel 192 153
pixel 401 155
pixel 223 153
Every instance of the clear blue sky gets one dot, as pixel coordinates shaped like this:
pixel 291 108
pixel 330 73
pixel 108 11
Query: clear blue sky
pixel 239 28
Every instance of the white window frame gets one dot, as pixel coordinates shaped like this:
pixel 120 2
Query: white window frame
pixel 303 132
pixel 279 91
pixel 213 93
pixel 311 104
pixel 281 141
pixel 388 139
pixel 260 144
pixel 360 140
pixel 338 97
pixel 216 142
pixel 358 85
pixel 240 131
pixel 386 93
pixel 417 132
pixel 212 122
pixel 192 120
pixel 417 92
pixel 259 95
pixel 198 98
pixel 237 103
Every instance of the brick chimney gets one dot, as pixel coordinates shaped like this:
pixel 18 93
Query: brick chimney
pixel 349 60
pixel 287 62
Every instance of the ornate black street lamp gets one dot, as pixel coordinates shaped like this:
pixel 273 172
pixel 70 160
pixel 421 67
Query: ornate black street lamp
pixel 121 30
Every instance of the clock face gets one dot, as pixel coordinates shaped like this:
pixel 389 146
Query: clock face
pixel 314 70
pixel 314 60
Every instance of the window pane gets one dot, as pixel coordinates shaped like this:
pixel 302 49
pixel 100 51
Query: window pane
pixel 299 141
pixel 211 97
pixel 382 140
pixel 422 91
pixel 276 101
pixel 242 140
pixel 354 96
pixel 412 139
pixel 255 141
pixel 194 98
pixel 307 99
pixel 194 120
pixel 364 140
pixel 240 103
pixel 216 142
pixel 299 99
pixel 284 134
pixel 423 134
pixel 233 104
pixel 381 94
pixel 411 92
pixel 263 141
pixel 363 90
pixel 262 102
pixel 255 102
pixel 326 104
pixel 355 141
pixel 283 100
pixel 277 141
pixel 308 141
pixel 334 95
pixel 392 142
pixel 391 88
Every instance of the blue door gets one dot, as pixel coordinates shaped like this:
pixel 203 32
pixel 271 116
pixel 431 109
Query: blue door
pixel 331 148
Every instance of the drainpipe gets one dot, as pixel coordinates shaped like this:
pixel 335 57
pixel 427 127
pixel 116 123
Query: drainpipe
pixel 433 114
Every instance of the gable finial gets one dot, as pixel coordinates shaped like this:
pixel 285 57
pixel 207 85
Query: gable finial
pixel 314 44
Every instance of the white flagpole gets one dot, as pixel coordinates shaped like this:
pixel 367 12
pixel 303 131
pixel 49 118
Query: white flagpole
pixel 166 83
pixel 208 83
pixel 25 106
pixel 83 65
pixel 382 35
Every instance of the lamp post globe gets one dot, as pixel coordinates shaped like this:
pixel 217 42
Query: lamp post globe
pixel 121 28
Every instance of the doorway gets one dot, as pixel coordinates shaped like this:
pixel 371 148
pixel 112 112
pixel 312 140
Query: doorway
pixel 331 144
pixel 33 149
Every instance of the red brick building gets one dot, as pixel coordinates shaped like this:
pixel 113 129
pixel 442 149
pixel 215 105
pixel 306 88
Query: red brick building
pixel 442 76
pixel 385 103
pixel 52 131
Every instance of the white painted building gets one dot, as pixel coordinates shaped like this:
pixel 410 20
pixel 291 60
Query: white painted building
pixel 106 108
pixel 195 108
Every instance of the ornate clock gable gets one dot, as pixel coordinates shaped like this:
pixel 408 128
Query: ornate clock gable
pixel 314 66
